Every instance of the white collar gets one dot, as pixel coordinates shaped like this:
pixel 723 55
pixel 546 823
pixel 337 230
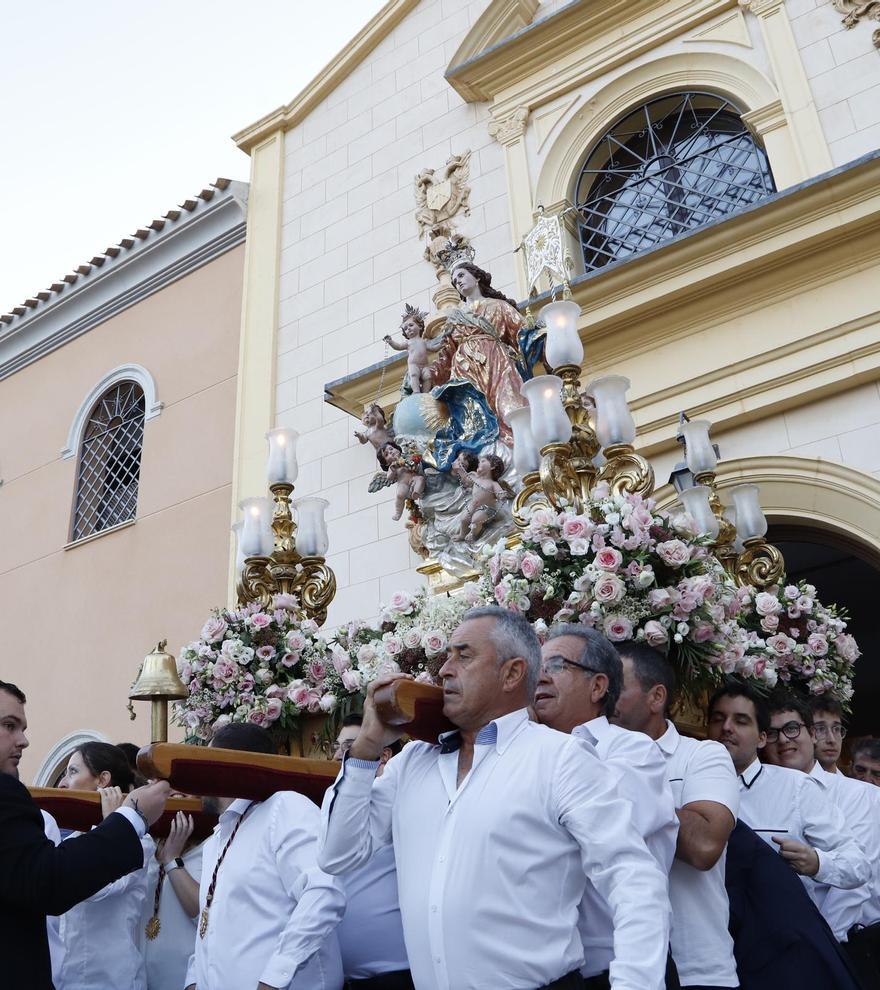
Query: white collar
pixel 594 730
pixel 751 773
pixel 670 739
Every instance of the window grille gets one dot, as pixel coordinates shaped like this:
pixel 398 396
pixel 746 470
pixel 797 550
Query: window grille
pixel 110 461
pixel 671 165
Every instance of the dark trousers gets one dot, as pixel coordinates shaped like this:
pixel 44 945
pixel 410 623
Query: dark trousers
pixel 398 980
pixel 571 981
pixel 862 948
pixel 601 981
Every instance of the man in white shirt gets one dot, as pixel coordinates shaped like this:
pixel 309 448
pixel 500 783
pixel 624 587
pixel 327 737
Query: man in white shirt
pixel 705 792
pixel 495 830
pixel 866 761
pixel 784 806
pixel 371 932
pixel 580 682
pixel 268 915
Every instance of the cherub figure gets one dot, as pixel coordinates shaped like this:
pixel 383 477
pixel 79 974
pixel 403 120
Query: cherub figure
pixel 417 348
pixel 484 481
pixel 406 471
pixel 376 429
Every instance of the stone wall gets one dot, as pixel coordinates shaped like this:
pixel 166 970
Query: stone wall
pixel 843 68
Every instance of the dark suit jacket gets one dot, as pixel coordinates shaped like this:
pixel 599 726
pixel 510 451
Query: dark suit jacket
pixel 781 941
pixel 37 879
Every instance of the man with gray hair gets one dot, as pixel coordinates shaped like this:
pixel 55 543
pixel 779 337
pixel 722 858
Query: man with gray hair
pixel 495 830
pixel 581 679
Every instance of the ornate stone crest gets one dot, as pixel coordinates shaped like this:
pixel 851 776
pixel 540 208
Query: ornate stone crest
pixel 856 10
pixel 442 193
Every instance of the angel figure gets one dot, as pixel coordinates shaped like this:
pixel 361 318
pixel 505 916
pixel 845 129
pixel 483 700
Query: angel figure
pixel 487 489
pixel 407 471
pixel 376 429
pixel 417 348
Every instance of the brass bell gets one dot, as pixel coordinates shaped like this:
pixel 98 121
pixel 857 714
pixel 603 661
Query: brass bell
pixel 158 682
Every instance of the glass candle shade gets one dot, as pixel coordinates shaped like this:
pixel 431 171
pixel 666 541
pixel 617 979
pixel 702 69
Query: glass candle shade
pixel 526 457
pixel 750 519
pixel 281 467
pixel 239 556
pixel 256 527
pixel 614 422
pixel 311 528
pixel 700 453
pixel 730 515
pixel 563 345
pixel 549 420
pixel 696 503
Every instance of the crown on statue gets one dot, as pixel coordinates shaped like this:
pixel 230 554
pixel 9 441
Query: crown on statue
pixel 419 315
pixel 458 250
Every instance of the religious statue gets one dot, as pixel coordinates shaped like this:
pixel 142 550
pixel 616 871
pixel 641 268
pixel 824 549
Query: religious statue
pixel 376 429
pixel 406 470
pixel 486 489
pixel 418 369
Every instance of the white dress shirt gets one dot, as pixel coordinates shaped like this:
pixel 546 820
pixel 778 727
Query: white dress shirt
pixel 790 804
pixel 844 908
pixel 490 873
pixel 371 932
pixel 274 913
pixel 102 935
pixel 640 769
pixel 53 922
pixel 700 770
pixel 167 956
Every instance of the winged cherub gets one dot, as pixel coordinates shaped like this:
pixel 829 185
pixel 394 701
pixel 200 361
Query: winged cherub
pixel 376 429
pixel 416 347
pixel 482 475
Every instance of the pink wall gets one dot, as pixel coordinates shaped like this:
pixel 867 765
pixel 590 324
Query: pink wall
pixel 77 622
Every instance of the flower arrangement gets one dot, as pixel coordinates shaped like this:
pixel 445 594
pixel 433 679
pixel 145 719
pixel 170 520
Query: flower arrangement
pixel 413 636
pixel 805 640
pixel 633 573
pixel 249 665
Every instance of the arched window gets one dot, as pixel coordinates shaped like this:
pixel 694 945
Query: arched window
pixel 110 461
pixel 675 163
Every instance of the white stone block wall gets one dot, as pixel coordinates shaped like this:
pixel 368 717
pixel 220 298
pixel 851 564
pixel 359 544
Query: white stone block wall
pixel 843 68
pixel 351 258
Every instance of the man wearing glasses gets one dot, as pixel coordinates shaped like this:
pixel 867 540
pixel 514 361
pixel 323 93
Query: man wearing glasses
pixel 581 679
pixel 787 807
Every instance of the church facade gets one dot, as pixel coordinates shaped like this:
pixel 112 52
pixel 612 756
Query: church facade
pixel 714 165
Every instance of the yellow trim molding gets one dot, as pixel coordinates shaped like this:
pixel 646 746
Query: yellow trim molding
pixel 255 390
pixel 499 21
pixel 337 70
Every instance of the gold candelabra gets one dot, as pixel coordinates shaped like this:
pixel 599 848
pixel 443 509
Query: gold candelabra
pixel 280 555
pixel 570 439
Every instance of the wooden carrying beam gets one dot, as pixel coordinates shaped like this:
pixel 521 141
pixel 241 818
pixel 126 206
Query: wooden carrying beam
pixel 80 810
pixel 205 770
pixel 417 709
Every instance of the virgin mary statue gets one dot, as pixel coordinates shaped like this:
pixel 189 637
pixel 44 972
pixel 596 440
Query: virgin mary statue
pixel 486 355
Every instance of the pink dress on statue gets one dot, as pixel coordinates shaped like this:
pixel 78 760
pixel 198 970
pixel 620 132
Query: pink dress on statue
pixel 484 355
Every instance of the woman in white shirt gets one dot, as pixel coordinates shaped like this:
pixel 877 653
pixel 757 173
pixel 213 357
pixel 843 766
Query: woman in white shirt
pixel 102 935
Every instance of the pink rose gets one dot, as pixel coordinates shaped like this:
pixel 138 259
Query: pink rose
pixel 276 691
pixel 225 671
pixel 392 645
pixel 847 648
pixel 300 695
pixel 434 641
pixel 542 519
pixel 256 717
pixel 285 601
pixel 273 709
pixel 792 592
pixel 675 553
pixel 639 518
pixel 609 559
pixel 770 623
pixel 576 528
pixel 767 604
pixel 295 641
pixel 259 620
pixel 341 660
pixel 617 628
pixel 531 565
pixel 401 601
pixel 655 634
pixel 510 561
pixel 660 598
pixel 608 589
pixel 412 638
pixel 703 632
pixel 780 644
pixel 214 629
pixel 759 667
pixel 317 670
pixel 817 644
pixel 352 680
